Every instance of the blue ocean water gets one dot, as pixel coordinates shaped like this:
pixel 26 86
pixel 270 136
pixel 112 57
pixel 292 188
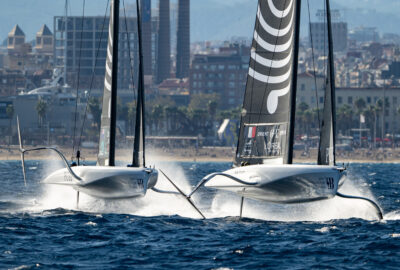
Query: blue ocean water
pixel 41 228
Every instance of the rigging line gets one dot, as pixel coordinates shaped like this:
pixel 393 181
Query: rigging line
pixel 79 71
pixel 269 72
pixel 313 61
pixel 93 75
pixel 129 50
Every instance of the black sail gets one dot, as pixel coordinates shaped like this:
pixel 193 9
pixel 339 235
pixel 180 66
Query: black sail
pixel 326 151
pixel 106 153
pixel 265 129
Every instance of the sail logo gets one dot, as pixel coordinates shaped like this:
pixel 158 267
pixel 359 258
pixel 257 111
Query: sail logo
pixel 272 54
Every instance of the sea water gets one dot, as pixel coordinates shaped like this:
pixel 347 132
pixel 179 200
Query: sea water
pixel 41 226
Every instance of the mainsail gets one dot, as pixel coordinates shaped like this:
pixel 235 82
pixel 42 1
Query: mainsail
pixel 106 155
pixel 326 153
pixel 266 128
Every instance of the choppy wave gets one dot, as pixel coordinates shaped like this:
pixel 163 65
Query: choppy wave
pixel 40 226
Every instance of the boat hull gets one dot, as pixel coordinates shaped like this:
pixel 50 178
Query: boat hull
pixel 281 183
pixel 106 182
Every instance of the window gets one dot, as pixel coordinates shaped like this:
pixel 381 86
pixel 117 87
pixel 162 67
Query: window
pixel 303 87
pixel 38 40
pixel 231 84
pixel 350 100
pixel 221 67
pixel 340 100
pixel 369 100
pixel 312 100
pixel 321 100
pixel 47 41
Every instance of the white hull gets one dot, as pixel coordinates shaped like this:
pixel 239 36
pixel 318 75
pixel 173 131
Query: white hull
pixel 281 183
pixel 106 182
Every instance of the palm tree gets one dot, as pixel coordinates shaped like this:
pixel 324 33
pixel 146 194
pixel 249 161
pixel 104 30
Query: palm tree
pixel 94 109
pixel 301 108
pixel 345 118
pixel 10 114
pixel 41 108
pixel 370 117
pixel 158 115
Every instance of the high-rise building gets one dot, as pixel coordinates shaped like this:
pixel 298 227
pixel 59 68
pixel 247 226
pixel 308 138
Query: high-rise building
pixel 319 32
pixel 146 37
pixel 183 43
pixel 87 50
pixel 164 42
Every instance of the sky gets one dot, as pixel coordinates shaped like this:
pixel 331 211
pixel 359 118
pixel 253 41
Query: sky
pixel 210 19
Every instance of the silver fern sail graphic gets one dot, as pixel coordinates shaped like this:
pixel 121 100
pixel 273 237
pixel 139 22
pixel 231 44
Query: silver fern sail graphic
pixel 265 121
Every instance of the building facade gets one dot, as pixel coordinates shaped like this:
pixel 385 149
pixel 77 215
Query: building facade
pixel 319 34
pixel 223 74
pixel 87 50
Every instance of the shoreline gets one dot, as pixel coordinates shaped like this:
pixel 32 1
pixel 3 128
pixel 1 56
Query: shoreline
pixel 204 154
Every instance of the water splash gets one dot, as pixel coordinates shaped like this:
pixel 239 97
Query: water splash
pixel 152 204
pixel 222 204
pixel 336 208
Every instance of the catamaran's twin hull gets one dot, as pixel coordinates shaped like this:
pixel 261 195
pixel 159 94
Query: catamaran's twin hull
pixel 281 183
pixel 106 182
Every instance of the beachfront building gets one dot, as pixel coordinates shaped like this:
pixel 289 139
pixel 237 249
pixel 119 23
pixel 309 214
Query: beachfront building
pixel 347 96
pixel 223 73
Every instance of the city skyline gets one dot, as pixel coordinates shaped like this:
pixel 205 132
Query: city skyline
pixel 240 21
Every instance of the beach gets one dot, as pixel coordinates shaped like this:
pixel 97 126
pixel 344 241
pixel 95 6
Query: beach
pixel 206 154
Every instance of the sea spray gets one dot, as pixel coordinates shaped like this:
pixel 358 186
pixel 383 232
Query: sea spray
pixel 213 204
pixel 225 204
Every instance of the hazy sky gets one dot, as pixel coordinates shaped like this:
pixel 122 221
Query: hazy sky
pixel 210 19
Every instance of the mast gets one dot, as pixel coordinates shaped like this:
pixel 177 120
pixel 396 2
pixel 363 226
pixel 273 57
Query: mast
pixel 65 41
pixel 106 154
pixel 139 143
pixel 114 85
pixel 326 153
pixel 289 159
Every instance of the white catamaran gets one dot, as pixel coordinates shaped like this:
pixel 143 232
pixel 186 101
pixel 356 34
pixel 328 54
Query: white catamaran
pixel 263 168
pixel 105 180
